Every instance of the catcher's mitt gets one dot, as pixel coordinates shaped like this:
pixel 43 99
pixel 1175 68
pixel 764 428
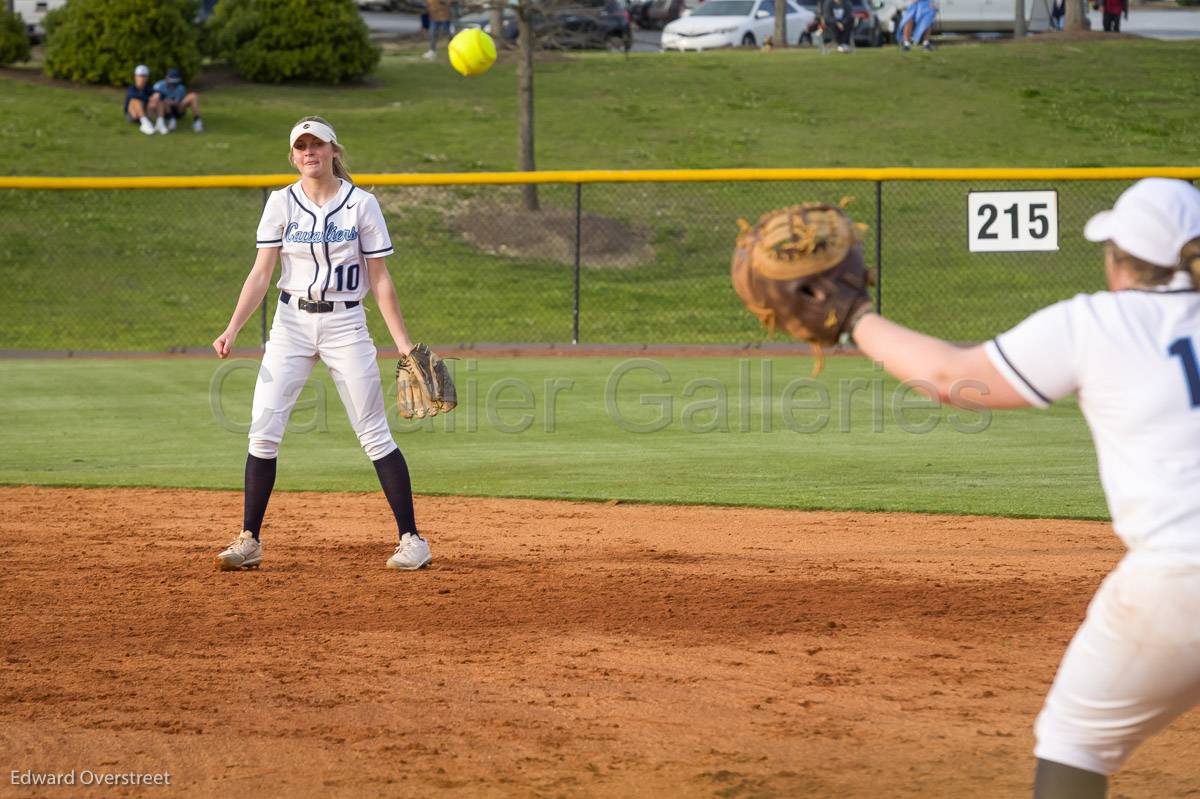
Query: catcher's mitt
pixel 800 269
pixel 423 385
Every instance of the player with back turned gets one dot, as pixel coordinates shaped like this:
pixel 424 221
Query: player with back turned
pixel 332 239
pixel 1132 357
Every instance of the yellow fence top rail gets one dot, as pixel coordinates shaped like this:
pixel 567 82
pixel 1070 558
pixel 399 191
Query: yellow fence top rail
pixel 612 176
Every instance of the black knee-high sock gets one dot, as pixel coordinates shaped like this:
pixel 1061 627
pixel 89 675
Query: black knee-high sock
pixel 260 479
pixel 1057 781
pixel 397 487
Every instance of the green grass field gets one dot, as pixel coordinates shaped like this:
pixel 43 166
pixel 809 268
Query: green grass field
pixel 1037 104
pixel 160 270
pixel 635 430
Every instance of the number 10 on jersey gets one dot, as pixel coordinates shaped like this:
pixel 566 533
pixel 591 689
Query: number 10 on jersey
pixel 1012 221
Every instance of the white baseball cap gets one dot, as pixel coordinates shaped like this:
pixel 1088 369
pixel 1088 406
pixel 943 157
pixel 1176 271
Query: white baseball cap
pixel 142 69
pixel 1151 220
pixel 318 129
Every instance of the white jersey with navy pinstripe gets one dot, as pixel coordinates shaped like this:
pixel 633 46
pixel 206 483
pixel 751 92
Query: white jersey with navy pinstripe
pixel 1132 358
pixel 324 248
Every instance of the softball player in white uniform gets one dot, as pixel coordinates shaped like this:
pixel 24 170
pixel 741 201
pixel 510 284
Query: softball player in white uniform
pixel 332 240
pixel 1132 356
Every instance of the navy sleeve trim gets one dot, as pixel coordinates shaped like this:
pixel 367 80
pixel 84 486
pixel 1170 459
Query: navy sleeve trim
pixel 372 252
pixel 269 241
pixel 1017 372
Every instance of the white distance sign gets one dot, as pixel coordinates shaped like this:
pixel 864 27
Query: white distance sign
pixel 1012 221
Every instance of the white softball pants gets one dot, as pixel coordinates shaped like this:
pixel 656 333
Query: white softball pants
pixel 1133 666
pixel 297 341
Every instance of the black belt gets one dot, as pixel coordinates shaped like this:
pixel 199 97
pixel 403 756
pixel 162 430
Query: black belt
pixel 314 306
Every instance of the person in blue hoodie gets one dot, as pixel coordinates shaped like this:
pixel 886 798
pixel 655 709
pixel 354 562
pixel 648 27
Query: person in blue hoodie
pixel 174 100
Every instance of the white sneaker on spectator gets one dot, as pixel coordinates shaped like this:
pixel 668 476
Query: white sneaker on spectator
pixel 841 48
pixel 146 127
pixel 429 55
pixel 160 126
pixel 197 126
pixel 171 124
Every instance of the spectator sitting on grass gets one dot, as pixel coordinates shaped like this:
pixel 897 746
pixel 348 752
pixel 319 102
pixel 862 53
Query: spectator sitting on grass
pixel 173 102
pixel 916 24
pixel 838 19
pixel 140 101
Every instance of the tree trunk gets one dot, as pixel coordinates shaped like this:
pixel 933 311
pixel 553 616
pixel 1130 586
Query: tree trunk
pixel 780 23
pixel 1074 17
pixel 1019 20
pixel 497 21
pixel 525 93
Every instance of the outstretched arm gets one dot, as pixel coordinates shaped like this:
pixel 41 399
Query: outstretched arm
pixel 385 294
pixel 948 369
pixel 253 291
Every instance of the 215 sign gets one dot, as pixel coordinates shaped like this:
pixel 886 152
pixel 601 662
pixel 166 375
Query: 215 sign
pixel 1012 221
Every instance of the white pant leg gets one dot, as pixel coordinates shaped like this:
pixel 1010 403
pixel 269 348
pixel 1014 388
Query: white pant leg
pixel 288 361
pixel 1133 666
pixel 347 349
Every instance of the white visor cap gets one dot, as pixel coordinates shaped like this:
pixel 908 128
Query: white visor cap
pixel 318 129
pixel 1151 220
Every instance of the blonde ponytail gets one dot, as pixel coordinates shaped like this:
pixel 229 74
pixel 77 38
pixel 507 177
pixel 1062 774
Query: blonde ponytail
pixel 1145 273
pixel 1189 259
pixel 339 165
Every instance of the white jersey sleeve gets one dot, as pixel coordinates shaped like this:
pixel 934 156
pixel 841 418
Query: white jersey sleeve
pixel 274 216
pixel 373 238
pixel 1038 356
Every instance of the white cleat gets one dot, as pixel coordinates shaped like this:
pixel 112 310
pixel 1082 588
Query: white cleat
pixel 147 127
pixel 243 553
pixel 411 553
pixel 429 55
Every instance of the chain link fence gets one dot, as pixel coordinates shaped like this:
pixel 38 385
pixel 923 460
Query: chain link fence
pixel 159 270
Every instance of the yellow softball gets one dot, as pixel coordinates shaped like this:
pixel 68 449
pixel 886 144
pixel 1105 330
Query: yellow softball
pixel 472 52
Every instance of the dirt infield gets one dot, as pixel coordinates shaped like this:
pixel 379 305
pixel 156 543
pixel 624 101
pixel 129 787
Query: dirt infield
pixel 554 649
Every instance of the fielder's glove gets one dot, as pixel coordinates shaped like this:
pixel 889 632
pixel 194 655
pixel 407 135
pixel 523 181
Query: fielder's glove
pixel 801 270
pixel 423 385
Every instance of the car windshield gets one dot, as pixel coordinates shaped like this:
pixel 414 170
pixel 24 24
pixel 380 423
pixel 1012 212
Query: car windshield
pixel 724 8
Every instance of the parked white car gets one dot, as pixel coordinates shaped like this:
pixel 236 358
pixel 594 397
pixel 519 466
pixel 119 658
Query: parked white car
pixel 732 23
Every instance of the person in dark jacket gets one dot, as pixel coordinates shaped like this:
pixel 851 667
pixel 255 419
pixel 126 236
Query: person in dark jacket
pixel 837 19
pixel 1057 12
